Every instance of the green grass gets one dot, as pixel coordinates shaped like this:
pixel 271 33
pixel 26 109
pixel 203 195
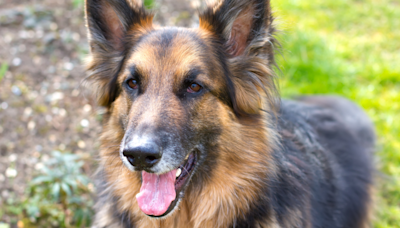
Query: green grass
pixel 3 70
pixel 78 3
pixel 350 48
pixel 149 4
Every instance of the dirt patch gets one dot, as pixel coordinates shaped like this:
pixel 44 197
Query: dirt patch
pixel 42 104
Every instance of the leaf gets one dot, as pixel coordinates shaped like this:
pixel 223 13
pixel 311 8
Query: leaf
pixel 47 171
pixel 66 189
pixel 71 182
pixel 32 210
pixel 61 178
pixel 79 164
pixel 41 179
pixel 83 179
pixel 75 200
pixel 55 191
pixel 17 209
pixel 78 217
pixel 82 217
pixel 56 155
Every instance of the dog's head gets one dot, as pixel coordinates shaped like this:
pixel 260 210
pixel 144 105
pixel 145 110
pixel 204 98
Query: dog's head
pixel 172 92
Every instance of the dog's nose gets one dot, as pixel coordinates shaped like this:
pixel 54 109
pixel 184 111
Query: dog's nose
pixel 143 156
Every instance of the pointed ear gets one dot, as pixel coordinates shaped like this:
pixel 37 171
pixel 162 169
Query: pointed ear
pixel 238 22
pixel 245 30
pixel 112 27
pixel 109 21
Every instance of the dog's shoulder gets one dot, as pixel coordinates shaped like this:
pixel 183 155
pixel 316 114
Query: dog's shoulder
pixel 321 159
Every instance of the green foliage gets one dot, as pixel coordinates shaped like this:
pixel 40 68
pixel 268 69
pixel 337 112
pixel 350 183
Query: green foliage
pixel 3 70
pixel 59 196
pixel 78 3
pixel 350 48
pixel 12 207
pixel 149 4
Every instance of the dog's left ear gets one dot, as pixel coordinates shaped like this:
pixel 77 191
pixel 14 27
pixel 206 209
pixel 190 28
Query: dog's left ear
pixel 113 26
pixel 245 30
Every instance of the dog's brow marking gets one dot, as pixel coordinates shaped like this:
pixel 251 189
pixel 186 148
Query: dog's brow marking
pixel 133 70
pixel 192 74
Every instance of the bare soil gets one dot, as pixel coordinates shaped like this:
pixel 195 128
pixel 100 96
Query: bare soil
pixel 43 106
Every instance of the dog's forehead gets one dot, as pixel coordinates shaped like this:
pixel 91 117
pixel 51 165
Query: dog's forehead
pixel 169 49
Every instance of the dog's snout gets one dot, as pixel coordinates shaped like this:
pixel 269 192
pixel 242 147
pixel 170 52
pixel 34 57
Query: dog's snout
pixel 142 155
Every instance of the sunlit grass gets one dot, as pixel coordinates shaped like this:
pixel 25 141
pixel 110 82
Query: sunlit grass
pixel 3 70
pixel 350 48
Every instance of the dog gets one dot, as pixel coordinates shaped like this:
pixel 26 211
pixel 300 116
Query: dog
pixel 195 134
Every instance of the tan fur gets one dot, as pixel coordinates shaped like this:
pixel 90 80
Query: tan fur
pixel 115 26
pixel 103 62
pixel 244 119
pixel 369 215
pixel 221 200
pixel 244 141
pixel 239 33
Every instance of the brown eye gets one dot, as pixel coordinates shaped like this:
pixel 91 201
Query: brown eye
pixel 132 83
pixel 194 88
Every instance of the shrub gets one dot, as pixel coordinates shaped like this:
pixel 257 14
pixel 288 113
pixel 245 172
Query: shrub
pixel 60 195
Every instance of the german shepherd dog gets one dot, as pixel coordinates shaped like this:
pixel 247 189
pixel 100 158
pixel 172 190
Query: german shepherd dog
pixel 195 134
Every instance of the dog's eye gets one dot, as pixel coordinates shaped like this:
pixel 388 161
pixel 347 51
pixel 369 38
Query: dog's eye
pixel 132 83
pixel 194 88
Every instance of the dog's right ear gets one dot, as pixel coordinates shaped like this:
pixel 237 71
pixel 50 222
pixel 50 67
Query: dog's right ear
pixel 113 26
pixel 245 33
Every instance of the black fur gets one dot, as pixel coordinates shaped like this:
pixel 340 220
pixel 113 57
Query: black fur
pixel 101 44
pixel 324 169
pixel 324 166
pixel 323 157
pixel 261 27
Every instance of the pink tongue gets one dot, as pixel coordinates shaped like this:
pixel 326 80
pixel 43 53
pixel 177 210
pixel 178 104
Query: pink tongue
pixel 157 192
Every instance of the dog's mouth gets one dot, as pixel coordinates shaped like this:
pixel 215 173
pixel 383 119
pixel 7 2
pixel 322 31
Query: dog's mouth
pixel 159 194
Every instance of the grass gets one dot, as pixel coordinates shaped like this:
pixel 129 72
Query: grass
pixel 3 70
pixel 350 48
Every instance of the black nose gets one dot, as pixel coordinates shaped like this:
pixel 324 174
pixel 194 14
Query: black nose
pixel 143 156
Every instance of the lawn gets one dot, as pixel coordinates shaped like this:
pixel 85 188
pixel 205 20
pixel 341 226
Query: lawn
pixel 350 48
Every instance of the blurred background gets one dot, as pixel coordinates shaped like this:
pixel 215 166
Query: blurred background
pixel 49 125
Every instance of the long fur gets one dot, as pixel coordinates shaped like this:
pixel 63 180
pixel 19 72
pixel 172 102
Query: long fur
pixel 262 162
